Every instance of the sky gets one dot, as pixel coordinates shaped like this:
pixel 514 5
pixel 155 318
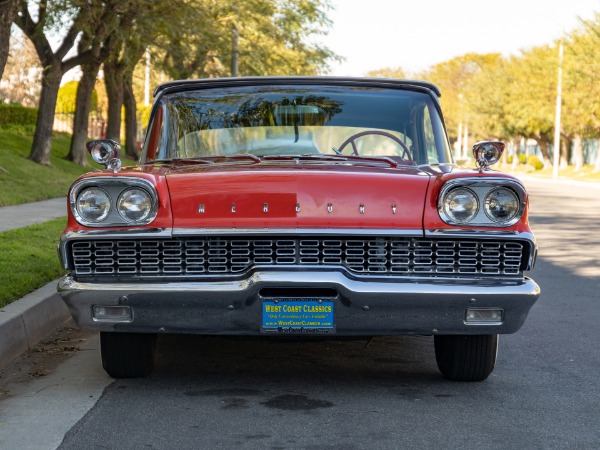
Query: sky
pixel 416 34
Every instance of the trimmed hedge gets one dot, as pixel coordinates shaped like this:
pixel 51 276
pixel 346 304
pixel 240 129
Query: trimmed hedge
pixel 535 162
pixel 15 114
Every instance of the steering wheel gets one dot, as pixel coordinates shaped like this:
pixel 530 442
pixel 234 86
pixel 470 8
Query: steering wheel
pixel 405 151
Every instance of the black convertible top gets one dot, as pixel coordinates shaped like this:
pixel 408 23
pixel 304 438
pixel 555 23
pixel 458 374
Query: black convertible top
pixel 205 83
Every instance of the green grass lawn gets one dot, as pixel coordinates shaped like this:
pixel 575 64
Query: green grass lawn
pixel 24 181
pixel 28 259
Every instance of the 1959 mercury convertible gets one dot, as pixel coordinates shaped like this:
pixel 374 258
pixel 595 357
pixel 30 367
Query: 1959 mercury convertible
pixel 298 206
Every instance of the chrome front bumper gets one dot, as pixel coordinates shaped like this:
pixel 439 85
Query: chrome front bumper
pixel 362 308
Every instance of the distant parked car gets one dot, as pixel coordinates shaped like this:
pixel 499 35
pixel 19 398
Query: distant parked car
pixel 298 206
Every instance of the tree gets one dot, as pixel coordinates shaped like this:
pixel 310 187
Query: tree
pixel 195 38
pixel 532 96
pixel 117 23
pixel 488 94
pixel 150 19
pixel 581 86
pixel 8 12
pixel 454 78
pixel 273 38
pixel 50 17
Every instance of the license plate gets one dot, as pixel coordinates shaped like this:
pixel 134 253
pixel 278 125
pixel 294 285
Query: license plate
pixel 298 316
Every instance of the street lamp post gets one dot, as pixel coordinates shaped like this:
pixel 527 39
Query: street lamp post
pixel 556 152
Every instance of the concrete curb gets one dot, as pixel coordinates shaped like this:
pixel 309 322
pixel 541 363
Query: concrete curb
pixel 27 321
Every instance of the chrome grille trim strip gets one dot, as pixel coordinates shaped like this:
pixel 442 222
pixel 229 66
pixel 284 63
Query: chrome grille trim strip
pixel 297 231
pixel 233 255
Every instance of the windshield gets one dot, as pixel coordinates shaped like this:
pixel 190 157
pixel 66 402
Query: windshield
pixel 297 120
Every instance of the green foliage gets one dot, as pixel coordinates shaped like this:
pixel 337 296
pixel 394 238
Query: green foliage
pixel 454 78
pixel 581 80
pixel 67 98
pixel 508 97
pixel 522 158
pixel 143 113
pixel 28 259
pixel 535 162
pixel 275 38
pixel 15 114
pixel 532 93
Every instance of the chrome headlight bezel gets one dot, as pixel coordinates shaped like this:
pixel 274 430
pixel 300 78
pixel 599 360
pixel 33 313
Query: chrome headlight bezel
pixel 482 187
pixel 114 187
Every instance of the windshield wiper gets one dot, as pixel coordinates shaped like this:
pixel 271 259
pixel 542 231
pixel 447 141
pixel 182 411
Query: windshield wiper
pixel 243 156
pixel 341 157
pixel 337 157
pixel 180 160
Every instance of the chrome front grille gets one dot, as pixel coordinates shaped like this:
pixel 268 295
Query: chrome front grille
pixel 193 257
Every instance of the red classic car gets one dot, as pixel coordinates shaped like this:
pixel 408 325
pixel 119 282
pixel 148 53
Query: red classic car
pixel 306 206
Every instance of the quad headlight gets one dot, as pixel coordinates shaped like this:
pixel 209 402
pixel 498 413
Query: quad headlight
pixel 501 205
pixel 461 205
pixel 482 202
pixel 93 204
pixel 134 205
pixel 113 201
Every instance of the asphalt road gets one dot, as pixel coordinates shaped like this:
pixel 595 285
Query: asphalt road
pixel 386 393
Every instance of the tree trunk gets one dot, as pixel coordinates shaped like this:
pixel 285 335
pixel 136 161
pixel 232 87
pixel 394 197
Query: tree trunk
pixel 564 152
pixel 8 12
pixel 113 80
pixel 597 163
pixel 515 161
pixel 130 119
pixel 85 89
pixel 545 152
pixel 578 151
pixel 42 138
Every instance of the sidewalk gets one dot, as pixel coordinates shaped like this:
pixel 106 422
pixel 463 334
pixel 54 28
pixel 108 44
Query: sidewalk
pixel 27 321
pixel 19 216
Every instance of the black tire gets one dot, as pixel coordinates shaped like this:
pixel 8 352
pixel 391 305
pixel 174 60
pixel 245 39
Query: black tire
pixel 128 355
pixel 466 357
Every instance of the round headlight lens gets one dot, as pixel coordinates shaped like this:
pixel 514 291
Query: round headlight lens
pixel 501 205
pixel 93 204
pixel 134 205
pixel 461 205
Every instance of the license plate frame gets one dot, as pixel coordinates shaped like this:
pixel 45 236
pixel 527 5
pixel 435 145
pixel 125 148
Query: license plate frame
pixel 304 316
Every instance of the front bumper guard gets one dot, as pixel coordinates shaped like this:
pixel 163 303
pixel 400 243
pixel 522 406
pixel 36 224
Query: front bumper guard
pixel 363 308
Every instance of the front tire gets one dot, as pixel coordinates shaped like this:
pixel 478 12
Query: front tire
pixel 128 355
pixel 466 357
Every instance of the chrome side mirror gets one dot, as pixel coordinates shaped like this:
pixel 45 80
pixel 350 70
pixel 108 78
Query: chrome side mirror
pixel 106 152
pixel 487 153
